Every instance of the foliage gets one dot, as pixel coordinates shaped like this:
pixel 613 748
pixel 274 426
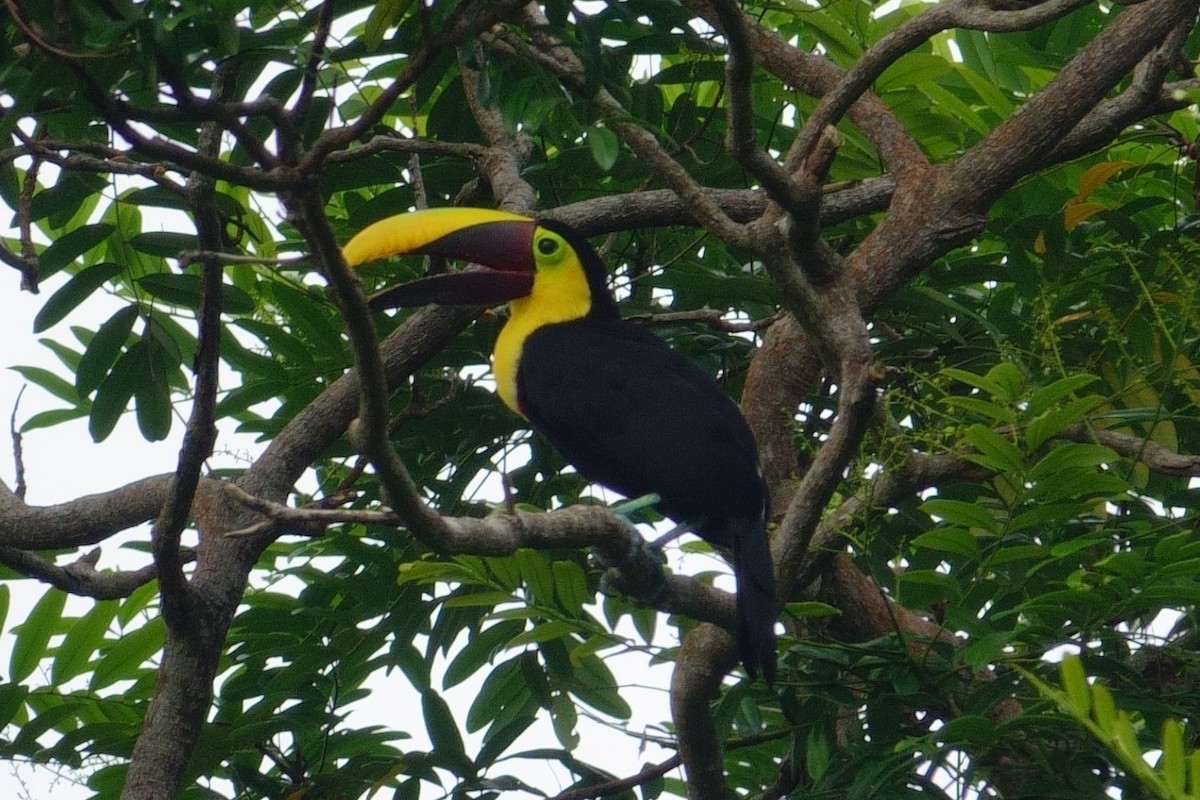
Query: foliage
pixel 1177 774
pixel 1047 347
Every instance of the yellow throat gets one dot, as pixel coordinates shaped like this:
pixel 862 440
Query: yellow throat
pixel 560 294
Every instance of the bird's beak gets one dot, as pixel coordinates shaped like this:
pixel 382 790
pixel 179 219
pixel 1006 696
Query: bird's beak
pixel 500 242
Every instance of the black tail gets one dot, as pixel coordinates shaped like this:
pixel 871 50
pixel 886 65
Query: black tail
pixel 756 610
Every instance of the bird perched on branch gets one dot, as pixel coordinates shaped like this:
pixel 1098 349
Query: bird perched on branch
pixel 615 400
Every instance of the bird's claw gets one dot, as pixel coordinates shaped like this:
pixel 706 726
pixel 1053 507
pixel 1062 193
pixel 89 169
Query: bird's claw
pixel 631 572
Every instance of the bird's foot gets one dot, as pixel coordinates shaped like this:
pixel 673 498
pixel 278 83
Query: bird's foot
pixel 636 572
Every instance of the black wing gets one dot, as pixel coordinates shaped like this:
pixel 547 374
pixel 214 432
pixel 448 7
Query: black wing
pixel 632 414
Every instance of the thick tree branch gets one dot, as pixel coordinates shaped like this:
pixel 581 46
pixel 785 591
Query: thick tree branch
pixel 972 14
pixel 634 566
pixel 507 154
pixel 370 430
pixel 85 520
pixel 656 208
pixel 200 436
pixel 1016 147
pixel 1156 457
pixel 933 212
pixel 92 157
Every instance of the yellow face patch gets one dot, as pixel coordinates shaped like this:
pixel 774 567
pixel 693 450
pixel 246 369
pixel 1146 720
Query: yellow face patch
pixel 560 294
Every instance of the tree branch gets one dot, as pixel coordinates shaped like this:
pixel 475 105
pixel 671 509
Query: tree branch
pixel 507 154
pixel 85 520
pixel 621 785
pixel 817 76
pixel 972 14
pixel 81 577
pixel 740 137
pixel 1155 456
pixel 464 24
pixel 561 62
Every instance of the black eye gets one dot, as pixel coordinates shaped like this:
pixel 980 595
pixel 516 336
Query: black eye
pixel 547 247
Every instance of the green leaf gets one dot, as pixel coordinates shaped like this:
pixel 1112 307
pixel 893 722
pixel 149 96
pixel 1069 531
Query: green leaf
pixel 70 246
pixel 384 15
pixel 159 197
pixel 5 597
pixel 184 291
pixel 83 638
pixel 1045 398
pixel 950 105
pixel 443 732
pixel 563 718
pixel 995 452
pixel 690 72
pixel 811 609
pixel 1006 377
pixel 12 696
pixel 1075 684
pixel 1016 552
pixel 116 390
pixel 73 292
pixel 645 621
pixel 596 686
pixel 605 147
pixel 33 635
pixel 913 69
pixel 1103 708
pixel 570 585
pixel 103 349
pixel 55 416
pixel 501 687
pixel 971 379
pixel 1056 420
pixel 128 654
pixel 964 514
pixel 1070 456
pixel 53 384
pixel 921 587
pixel 1003 414
pixel 536 575
pixel 949 540
pixel 481 648
pixel 152 394
pixel 1046 513
pixel 542 632
pixel 165 244
pixel 66 248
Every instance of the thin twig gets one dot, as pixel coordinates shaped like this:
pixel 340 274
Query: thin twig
pixel 29 279
pixel 312 67
pixel 712 317
pixel 620 785
pixel 415 409
pixel 464 24
pixel 18 453
pixel 188 257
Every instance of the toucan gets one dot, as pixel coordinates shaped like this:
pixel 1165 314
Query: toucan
pixel 612 398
